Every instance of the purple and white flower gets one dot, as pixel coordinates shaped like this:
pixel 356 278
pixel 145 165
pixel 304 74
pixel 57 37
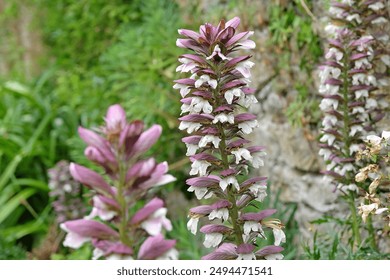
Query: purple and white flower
pixel 118 147
pixel 216 95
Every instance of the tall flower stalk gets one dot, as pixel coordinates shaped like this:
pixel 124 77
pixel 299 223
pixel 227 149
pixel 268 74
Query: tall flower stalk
pixel 352 95
pixel 115 227
pixel 214 99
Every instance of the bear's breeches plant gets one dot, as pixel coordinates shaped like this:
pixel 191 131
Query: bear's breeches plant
pixel 352 81
pixel 117 227
pixel 352 85
pixel 214 99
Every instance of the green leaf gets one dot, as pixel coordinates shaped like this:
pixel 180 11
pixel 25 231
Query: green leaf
pixel 10 169
pixel 14 202
pixel 23 91
pixel 37 184
pixel 333 253
pixel 83 253
pixel 11 234
pixel 17 87
pixel 9 251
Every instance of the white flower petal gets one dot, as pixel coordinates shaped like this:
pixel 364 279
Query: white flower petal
pixel 212 239
pixel 192 225
pixel 279 236
pixel 171 254
pixel 246 257
pixel 250 226
pixel 277 256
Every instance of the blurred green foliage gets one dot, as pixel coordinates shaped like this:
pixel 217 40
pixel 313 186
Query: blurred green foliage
pixel 304 108
pixel 99 53
pixel 78 32
pixel 28 147
pixel 299 50
pixel 290 26
pixel 132 63
pixel 9 251
pixel 83 253
pixel 9 40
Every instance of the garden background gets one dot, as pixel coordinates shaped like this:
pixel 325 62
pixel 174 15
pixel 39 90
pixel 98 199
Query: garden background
pixel 62 63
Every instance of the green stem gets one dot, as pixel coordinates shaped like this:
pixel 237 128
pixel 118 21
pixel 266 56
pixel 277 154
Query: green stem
pixel 355 222
pixel 123 207
pixel 347 143
pixel 371 232
pixel 346 121
pixel 233 211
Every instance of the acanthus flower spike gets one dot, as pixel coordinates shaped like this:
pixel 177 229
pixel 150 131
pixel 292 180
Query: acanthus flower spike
pixel 118 147
pixel 351 86
pixel 214 98
pixel 348 85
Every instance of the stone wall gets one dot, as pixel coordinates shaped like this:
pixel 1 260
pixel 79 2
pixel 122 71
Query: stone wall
pixel 293 164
